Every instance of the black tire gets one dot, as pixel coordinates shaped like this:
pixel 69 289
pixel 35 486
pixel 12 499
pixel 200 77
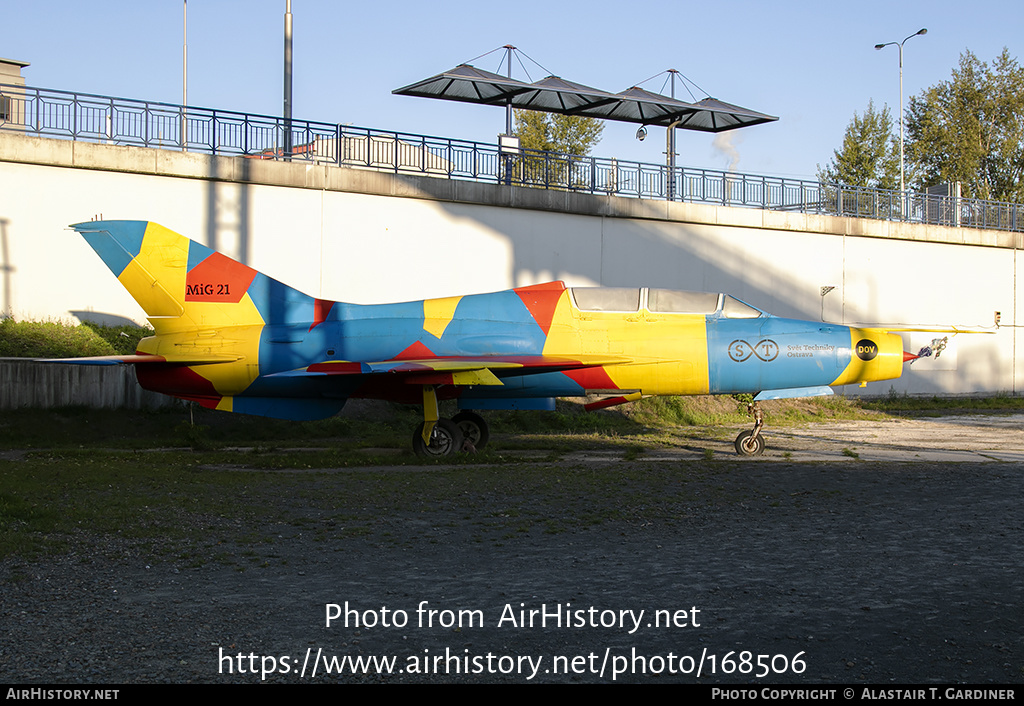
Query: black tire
pixel 474 428
pixel 445 440
pixel 745 446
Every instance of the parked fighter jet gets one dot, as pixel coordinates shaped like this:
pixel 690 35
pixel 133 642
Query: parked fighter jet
pixel 233 339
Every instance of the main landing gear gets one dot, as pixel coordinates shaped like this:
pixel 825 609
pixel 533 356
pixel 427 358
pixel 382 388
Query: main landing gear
pixel 751 443
pixel 474 430
pixel 440 438
pixel 444 439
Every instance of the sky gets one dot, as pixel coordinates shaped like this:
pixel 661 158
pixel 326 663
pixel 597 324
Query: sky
pixel 812 64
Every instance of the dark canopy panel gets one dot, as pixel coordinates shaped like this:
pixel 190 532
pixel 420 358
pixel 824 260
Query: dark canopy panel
pixel 637 105
pixel 717 116
pixel 467 84
pixel 556 95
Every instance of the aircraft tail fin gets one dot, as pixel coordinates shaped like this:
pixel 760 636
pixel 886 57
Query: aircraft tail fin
pixel 181 284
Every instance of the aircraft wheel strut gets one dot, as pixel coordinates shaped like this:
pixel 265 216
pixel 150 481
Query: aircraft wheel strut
pixel 747 444
pixel 474 429
pixel 445 440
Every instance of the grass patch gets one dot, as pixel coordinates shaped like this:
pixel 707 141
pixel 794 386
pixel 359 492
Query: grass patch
pixel 57 339
pixel 49 339
pixel 569 417
pixel 687 411
pixel 174 427
pixel 177 508
pixel 123 340
pixel 895 403
pixel 176 482
pixel 662 412
pixel 49 498
pixel 347 441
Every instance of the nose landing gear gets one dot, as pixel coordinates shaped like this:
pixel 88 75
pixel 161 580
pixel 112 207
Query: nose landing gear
pixel 751 443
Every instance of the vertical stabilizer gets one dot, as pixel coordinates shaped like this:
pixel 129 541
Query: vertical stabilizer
pixel 183 284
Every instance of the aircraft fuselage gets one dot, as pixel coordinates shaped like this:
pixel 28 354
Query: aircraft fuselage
pixel 662 353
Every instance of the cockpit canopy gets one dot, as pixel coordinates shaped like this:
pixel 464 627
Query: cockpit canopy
pixel 661 301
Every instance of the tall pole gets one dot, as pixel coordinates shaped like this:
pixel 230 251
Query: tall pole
pixel 288 79
pixel 670 144
pixel 508 115
pixel 903 187
pixel 184 75
pixel 508 103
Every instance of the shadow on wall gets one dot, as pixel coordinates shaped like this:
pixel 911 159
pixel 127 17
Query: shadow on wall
pixel 226 212
pixel 786 282
pixel 7 270
pixel 667 254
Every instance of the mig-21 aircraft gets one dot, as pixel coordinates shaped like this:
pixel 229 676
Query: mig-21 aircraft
pixel 231 338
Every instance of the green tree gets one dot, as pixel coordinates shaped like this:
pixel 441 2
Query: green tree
pixel 970 129
pixel 569 135
pixel 554 132
pixel 870 155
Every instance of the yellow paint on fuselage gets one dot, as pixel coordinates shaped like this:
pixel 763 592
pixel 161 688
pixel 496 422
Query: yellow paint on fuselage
pixel 196 328
pixel 669 351
pixel 438 313
pixel 228 378
pixel 886 364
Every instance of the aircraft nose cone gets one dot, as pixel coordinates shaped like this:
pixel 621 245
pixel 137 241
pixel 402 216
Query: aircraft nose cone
pixel 909 356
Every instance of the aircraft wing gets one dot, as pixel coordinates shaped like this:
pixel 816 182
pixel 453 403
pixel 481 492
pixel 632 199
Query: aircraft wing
pixel 902 328
pixel 143 359
pixel 484 370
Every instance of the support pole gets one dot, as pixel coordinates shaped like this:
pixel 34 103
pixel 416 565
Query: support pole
pixel 184 75
pixel 288 80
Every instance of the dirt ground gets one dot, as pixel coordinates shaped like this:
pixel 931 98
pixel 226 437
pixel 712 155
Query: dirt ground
pixel 852 553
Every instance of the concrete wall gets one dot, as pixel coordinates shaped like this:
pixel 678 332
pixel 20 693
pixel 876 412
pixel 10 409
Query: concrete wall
pixel 25 383
pixel 364 236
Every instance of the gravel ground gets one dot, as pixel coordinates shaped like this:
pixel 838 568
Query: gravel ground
pixel 906 570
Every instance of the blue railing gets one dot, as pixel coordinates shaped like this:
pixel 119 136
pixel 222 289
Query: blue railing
pixel 121 121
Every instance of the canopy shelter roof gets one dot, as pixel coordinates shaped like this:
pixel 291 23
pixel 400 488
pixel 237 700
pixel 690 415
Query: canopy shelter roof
pixel 468 84
pixel 718 116
pixel 556 95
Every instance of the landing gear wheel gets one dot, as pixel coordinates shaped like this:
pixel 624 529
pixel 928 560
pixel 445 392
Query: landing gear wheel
pixel 474 429
pixel 445 440
pixel 749 445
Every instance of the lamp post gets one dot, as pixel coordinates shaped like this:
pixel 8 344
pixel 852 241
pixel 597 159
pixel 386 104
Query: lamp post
pixel 509 144
pixel 184 75
pixel 900 45
pixel 288 80
pixel 670 144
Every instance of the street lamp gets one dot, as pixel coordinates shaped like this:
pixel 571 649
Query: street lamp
pixel 184 75
pixel 900 45
pixel 288 80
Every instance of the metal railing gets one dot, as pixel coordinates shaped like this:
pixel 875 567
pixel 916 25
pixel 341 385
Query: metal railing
pixel 121 121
